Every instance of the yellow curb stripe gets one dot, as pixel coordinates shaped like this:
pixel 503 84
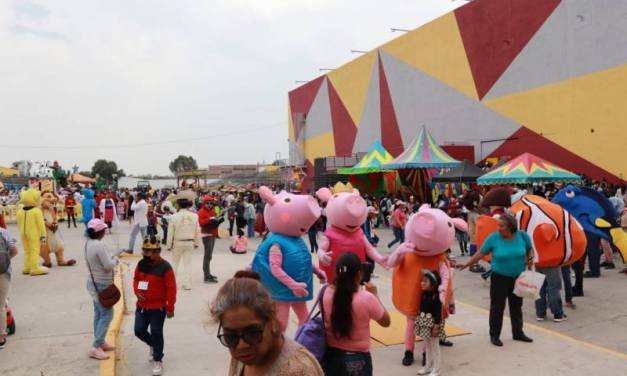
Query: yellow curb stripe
pixel 540 329
pixel 107 367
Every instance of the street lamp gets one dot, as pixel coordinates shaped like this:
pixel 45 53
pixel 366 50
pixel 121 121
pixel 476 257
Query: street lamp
pixel 359 52
pixel 300 82
pixel 395 29
pixel 326 69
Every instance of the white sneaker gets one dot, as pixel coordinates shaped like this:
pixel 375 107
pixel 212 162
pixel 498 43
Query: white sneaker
pixel 424 371
pixel 97 353
pixel 157 368
pixel 435 372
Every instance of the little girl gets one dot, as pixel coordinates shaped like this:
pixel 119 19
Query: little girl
pixel 240 243
pixel 429 322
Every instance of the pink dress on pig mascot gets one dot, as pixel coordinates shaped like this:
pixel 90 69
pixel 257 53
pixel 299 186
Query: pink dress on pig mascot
pixel 428 235
pixel 346 212
pixel 283 261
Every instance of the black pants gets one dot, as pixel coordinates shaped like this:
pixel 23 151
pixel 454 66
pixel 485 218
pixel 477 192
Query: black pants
pixel 153 318
pixel 208 243
pixel 231 223
pixel 313 242
pixel 501 289
pixel 338 362
pixel 71 216
pixel 578 269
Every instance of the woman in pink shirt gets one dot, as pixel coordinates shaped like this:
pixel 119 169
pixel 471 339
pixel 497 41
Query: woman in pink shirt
pixel 348 310
pixel 399 219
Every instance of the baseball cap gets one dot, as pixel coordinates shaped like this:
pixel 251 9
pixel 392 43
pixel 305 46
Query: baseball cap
pixel 97 225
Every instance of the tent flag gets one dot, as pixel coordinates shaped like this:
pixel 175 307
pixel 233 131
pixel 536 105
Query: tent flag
pixel 528 168
pixel 371 162
pixel 423 152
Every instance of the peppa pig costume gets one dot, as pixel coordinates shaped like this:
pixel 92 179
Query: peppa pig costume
pixel 346 212
pixel 283 260
pixel 428 235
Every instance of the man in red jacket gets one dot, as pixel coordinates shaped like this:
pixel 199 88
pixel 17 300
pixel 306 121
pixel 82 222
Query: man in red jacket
pixel 155 287
pixel 209 223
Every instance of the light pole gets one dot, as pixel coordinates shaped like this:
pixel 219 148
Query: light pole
pixel 359 52
pixel 396 29
pixel 326 69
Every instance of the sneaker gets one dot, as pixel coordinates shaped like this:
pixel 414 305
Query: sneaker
pixel 97 353
pixel 540 318
pixel 560 318
pixel 589 274
pixel 157 368
pixel 435 372
pixel 522 338
pixel 496 342
pixel 571 305
pixel 185 287
pixel 3 343
pixel 106 347
pixel 211 280
pixel 610 266
pixel 424 371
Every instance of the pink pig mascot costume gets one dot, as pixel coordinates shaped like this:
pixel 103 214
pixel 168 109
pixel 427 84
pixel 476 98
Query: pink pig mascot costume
pixel 283 260
pixel 428 235
pixel 346 212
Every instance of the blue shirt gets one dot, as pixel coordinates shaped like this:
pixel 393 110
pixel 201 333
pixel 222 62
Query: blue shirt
pixel 509 257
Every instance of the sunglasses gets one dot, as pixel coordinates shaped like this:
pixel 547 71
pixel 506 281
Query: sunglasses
pixel 252 337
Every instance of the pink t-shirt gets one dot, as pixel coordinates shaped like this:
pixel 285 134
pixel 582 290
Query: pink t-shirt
pixel 399 218
pixel 240 244
pixel 366 307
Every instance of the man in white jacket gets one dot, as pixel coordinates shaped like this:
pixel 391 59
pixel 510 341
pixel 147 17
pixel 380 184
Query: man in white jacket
pixel 140 220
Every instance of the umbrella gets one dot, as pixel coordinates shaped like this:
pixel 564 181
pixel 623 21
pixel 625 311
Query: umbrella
pixel 371 162
pixel 528 168
pixel 465 172
pixel 423 152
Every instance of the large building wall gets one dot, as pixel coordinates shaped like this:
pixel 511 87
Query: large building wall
pixel 505 76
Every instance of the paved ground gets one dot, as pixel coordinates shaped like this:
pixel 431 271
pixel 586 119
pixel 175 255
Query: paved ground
pixel 54 327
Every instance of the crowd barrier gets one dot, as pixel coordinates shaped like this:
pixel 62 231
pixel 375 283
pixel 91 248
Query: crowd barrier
pixel 9 212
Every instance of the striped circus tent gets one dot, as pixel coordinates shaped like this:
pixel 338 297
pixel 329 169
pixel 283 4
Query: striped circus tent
pixel 528 168
pixel 423 152
pixel 371 162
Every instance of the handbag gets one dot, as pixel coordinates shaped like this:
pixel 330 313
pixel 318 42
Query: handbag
pixel 312 335
pixel 110 295
pixel 528 284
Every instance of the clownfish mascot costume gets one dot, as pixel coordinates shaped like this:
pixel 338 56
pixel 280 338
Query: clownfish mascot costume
pixel 429 233
pixel 30 222
pixel 282 260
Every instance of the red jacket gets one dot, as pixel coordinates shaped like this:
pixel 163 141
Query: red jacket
pixel 161 290
pixel 204 218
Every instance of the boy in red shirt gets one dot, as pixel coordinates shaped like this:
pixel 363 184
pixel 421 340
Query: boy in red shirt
pixel 70 203
pixel 155 287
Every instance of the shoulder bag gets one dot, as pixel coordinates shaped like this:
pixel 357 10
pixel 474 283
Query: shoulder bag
pixel 312 335
pixel 110 295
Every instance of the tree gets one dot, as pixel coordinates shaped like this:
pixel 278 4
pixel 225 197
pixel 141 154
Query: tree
pixel 106 170
pixel 183 163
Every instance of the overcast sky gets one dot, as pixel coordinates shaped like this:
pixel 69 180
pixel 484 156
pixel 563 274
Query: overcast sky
pixel 136 81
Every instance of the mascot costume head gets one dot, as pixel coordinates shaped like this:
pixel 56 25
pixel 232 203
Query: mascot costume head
pixel 429 233
pixel 558 239
pixel 88 205
pixel 30 222
pixel 595 213
pixel 54 241
pixel 346 211
pixel 282 259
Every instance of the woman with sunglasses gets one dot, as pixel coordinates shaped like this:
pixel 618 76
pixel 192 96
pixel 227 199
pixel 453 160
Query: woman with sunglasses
pixel 248 326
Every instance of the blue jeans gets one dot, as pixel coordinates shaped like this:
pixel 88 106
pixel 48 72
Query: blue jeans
pixel 339 362
pixel 399 236
pixel 251 228
pixel 550 292
pixel 134 231
pixel 472 249
pixel 153 318
pixel 102 315
pixel 568 284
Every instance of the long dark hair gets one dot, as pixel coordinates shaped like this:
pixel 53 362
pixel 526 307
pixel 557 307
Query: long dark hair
pixel 346 271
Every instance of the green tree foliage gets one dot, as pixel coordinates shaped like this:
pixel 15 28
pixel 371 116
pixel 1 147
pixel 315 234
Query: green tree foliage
pixel 183 163
pixel 106 170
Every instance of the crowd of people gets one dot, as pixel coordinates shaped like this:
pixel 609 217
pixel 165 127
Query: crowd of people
pixel 250 319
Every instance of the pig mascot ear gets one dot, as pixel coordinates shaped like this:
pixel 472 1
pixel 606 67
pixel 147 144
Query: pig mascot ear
pixel 266 194
pixel 460 224
pixel 324 194
pixel 356 191
pixel 423 207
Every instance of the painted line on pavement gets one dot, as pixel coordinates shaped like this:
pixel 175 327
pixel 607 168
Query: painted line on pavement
pixel 554 333
pixel 107 367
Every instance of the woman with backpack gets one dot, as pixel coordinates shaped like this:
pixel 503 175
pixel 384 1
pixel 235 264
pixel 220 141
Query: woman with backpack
pixel 348 310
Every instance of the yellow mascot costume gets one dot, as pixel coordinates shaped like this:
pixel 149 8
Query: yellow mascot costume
pixel 30 222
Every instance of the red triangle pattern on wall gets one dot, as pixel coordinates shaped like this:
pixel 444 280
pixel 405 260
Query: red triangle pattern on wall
pixel 495 31
pixel 344 129
pixel 524 140
pixel 390 133
pixel 301 100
